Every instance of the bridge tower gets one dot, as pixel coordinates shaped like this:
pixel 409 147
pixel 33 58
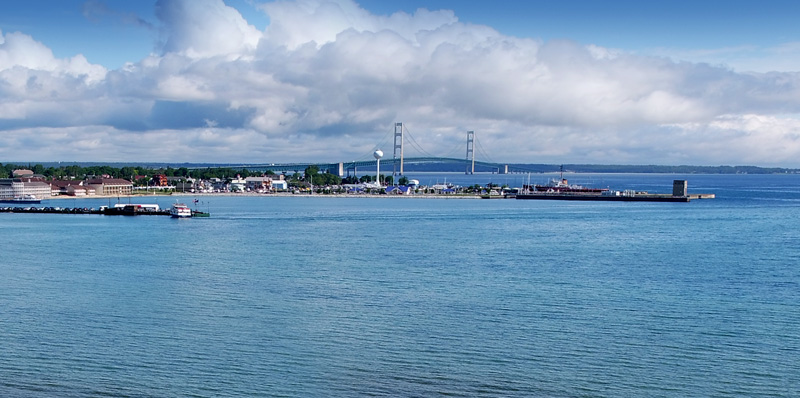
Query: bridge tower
pixel 470 152
pixel 398 133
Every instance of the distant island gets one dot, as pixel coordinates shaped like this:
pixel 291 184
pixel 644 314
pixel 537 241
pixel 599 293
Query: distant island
pixel 447 168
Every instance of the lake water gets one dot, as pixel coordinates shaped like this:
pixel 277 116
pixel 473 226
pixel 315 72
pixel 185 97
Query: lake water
pixel 343 297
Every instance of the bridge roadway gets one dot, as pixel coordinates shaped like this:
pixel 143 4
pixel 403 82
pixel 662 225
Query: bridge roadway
pixel 387 164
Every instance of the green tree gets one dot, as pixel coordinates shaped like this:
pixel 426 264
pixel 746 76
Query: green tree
pixel 310 174
pixel 128 172
pixel 74 171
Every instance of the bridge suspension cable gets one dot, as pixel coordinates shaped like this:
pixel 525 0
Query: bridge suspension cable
pixel 416 145
pixel 482 151
pixel 381 144
pixel 455 151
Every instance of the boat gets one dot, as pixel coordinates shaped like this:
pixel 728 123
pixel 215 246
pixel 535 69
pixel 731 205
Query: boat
pixel 22 199
pixel 197 213
pixel 561 185
pixel 180 210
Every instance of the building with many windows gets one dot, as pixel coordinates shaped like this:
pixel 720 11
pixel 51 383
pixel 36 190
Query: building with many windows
pixel 111 186
pixel 11 188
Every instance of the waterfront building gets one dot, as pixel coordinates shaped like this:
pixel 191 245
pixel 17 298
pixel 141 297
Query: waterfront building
pixel 79 190
pixel 280 185
pixel 19 187
pixel 160 180
pixel 258 183
pixel 238 184
pixel 111 186
pixel 65 187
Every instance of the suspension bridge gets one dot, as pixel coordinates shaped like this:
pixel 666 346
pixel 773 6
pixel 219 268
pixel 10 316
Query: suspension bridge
pixel 398 161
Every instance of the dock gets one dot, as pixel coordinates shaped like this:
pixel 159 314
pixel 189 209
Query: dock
pixel 642 197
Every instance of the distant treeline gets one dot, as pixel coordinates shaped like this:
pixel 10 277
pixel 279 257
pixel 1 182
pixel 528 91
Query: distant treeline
pixel 127 172
pixel 684 169
pixel 605 168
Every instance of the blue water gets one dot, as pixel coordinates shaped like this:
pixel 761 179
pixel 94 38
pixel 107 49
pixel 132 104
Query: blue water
pixel 343 297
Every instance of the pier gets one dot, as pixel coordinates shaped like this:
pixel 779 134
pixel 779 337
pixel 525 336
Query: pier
pixel 679 194
pixel 642 197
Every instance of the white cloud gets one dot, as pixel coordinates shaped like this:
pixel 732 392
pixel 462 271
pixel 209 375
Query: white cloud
pixel 326 80
pixel 20 51
pixel 201 29
pixel 745 58
pixel 294 23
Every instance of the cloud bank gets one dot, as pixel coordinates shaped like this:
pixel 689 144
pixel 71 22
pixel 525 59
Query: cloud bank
pixel 326 80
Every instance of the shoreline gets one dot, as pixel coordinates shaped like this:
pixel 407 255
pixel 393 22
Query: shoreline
pixel 270 195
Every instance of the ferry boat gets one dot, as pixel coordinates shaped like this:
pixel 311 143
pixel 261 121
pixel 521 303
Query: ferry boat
pixel 180 210
pixel 22 199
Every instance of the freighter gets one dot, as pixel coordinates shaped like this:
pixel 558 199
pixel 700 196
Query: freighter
pixel 561 185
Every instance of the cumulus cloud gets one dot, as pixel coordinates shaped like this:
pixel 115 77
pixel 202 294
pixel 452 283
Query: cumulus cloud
pixel 19 51
pixel 201 29
pixel 326 80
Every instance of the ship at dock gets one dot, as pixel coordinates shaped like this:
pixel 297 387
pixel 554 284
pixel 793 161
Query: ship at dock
pixel 679 194
pixel 22 199
pixel 180 210
pixel 561 185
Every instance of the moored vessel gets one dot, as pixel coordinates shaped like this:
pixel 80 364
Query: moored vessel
pixel 561 185
pixel 180 210
pixel 22 199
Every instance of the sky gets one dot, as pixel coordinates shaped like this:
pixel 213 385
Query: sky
pixel 252 81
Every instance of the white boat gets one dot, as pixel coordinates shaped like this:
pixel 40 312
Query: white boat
pixel 22 199
pixel 180 210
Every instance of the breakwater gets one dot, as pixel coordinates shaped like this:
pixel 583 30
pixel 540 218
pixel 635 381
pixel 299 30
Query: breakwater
pixel 126 210
pixel 130 210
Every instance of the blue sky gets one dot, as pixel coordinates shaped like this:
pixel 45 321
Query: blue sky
pixel 678 82
pixel 642 26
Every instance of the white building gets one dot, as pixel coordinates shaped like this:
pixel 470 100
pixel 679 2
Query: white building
pixel 238 184
pixel 280 185
pixel 258 183
pixel 18 187
pixel 111 186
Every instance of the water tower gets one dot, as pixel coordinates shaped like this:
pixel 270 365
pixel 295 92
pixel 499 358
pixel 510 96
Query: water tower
pixel 378 154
